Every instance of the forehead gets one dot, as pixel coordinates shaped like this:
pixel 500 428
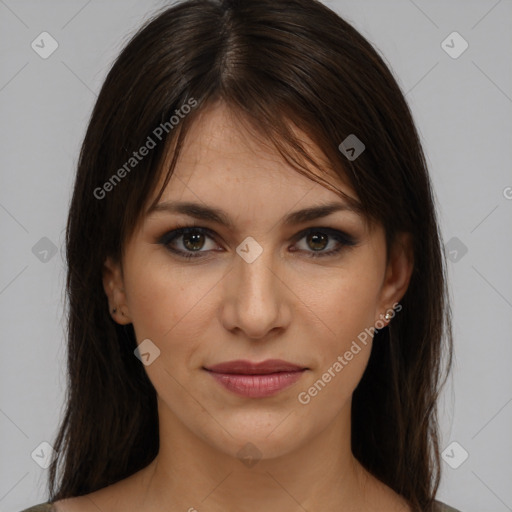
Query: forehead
pixel 223 163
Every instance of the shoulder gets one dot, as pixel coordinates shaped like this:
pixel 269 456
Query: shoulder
pixel 443 507
pixel 42 507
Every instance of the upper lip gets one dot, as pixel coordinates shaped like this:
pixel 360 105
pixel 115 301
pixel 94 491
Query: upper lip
pixel 249 368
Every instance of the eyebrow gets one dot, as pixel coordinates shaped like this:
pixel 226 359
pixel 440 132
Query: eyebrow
pixel 216 215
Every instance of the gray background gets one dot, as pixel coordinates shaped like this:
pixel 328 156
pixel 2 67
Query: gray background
pixel 463 111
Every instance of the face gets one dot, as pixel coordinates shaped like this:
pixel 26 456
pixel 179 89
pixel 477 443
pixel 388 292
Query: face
pixel 308 292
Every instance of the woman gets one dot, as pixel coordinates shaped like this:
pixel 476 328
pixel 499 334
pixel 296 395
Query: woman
pixel 258 313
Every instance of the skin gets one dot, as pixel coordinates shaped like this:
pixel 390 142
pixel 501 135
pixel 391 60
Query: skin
pixel 284 305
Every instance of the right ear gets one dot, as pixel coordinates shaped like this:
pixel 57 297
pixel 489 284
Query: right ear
pixel 113 285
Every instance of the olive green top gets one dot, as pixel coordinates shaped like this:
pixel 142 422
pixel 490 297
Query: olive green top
pixel 442 507
pixel 47 507
pixel 42 507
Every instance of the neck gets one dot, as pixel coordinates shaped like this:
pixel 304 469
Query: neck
pixel 190 473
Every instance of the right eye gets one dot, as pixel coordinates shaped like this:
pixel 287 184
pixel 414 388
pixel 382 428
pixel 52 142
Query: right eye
pixel 192 240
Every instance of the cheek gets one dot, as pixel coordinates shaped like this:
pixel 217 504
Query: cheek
pixel 165 300
pixel 341 361
pixel 344 303
pixel 345 307
pixel 170 306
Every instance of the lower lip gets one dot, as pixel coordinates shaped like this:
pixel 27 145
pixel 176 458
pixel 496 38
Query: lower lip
pixel 257 386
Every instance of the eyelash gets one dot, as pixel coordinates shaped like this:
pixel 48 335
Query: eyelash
pixel 343 239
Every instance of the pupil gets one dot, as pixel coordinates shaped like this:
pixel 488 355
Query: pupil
pixel 318 241
pixel 192 238
pixel 315 238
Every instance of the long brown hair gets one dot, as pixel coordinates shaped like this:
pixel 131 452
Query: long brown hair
pixel 276 63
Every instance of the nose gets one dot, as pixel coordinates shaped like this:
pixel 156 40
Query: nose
pixel 256 299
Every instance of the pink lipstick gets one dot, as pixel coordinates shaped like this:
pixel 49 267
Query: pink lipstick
pixel 256 380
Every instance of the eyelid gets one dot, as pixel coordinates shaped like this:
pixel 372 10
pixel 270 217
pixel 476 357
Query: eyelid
pixel 346 240
pixel 297 236
pixel 168 236
pixel 332 232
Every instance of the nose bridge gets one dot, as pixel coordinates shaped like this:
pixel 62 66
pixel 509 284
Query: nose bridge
pixel 257 294
pixel 255 270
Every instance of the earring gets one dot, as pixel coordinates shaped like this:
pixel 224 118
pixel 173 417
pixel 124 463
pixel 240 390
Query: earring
pixel 114 310
pixel 388 317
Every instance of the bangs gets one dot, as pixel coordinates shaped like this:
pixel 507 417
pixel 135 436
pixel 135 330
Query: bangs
pixel 274 129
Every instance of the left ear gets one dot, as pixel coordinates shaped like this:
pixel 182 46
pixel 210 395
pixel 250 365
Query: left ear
pixel 398 274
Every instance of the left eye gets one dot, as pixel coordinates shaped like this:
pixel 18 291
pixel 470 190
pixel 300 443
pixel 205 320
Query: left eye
pixel 193 240
pixel 318 239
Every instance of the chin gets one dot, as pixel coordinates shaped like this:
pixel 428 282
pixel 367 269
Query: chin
pixel 249 441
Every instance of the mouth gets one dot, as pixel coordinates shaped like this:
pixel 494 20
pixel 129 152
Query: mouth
pixel 244 367
pixel 256 380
